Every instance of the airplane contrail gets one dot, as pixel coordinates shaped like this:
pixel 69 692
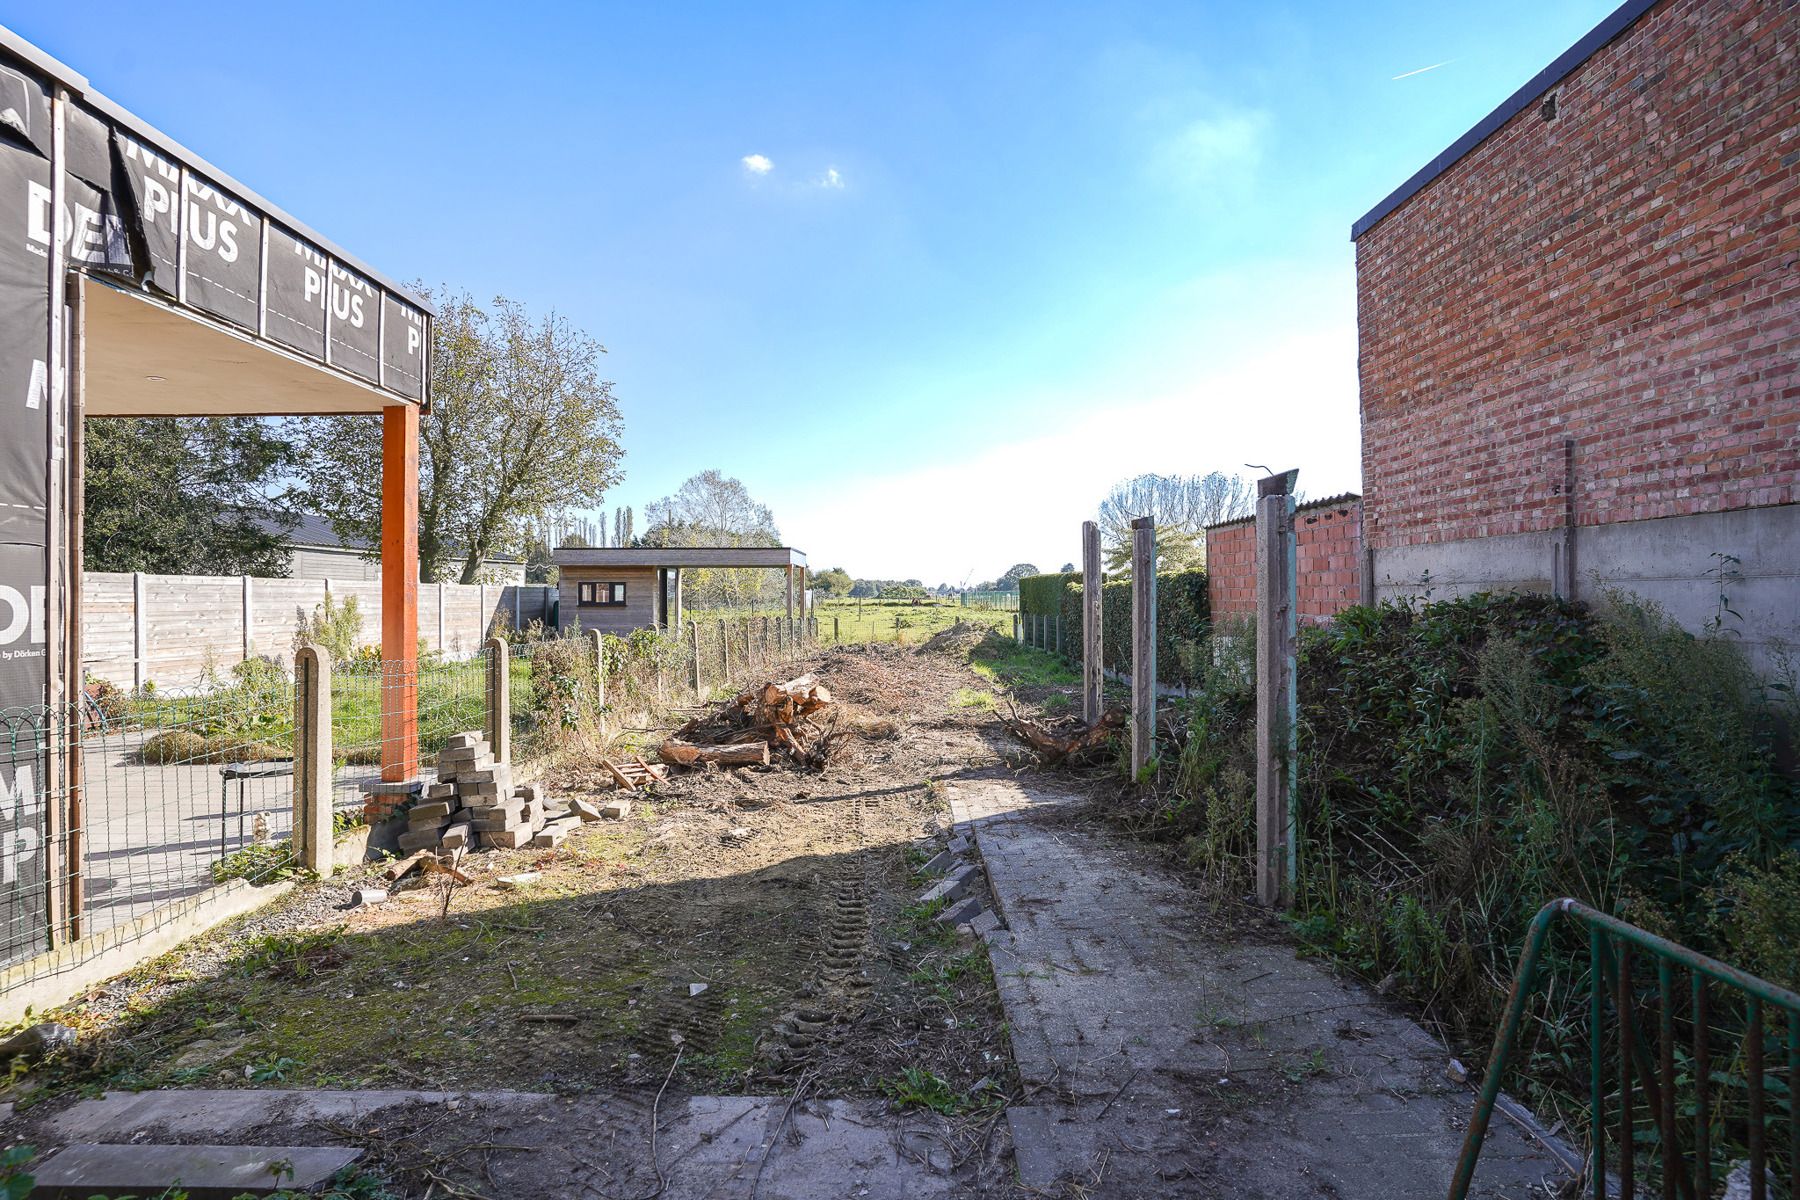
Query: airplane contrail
pixel 1422 70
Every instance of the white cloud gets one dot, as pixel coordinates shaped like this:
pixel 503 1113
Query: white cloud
pixel 757 164
pixel 1292 403
pixel 1221 148
pixel 831 179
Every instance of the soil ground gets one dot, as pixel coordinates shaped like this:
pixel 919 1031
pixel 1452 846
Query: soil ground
pixel 790 949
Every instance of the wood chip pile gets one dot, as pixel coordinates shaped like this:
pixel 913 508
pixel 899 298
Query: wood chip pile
pixel 791 719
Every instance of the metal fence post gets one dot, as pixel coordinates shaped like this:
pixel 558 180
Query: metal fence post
pixel 312 840
pixel 499 698
pixel 1143 645
pixel 1275 677
pixel 835 636
pixel 1090 621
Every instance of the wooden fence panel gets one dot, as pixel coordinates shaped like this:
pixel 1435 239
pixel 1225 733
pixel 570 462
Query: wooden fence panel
pixel 191 623
pixel 108 630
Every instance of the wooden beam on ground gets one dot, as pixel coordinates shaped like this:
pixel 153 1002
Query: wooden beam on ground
pixel 687 754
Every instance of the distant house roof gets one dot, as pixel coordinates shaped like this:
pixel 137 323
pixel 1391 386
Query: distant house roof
pixel 316 533
pixel 1620 20
pixel 679 556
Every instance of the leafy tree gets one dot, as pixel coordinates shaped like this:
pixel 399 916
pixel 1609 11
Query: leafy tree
pixel 185 496
pixel 1068 568
pixel 1009 582
pixel 521 426
pixel 834 581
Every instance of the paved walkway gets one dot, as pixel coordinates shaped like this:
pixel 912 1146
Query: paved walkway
pixel 1164 1058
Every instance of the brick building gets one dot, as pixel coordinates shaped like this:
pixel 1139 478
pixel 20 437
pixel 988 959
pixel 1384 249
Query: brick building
pixel 1580 330
pixel 1327 561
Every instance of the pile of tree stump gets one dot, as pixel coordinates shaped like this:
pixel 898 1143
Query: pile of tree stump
pixel 1067 740
pixel 778 718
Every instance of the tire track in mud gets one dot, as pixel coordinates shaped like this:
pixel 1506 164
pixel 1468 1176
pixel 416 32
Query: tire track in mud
pixel 840 986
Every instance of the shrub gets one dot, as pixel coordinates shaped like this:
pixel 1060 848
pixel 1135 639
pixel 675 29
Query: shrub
pixel 108 698
pixel 173 746
pixel 1042 595
pixel 1462 763
pixel 334 627
pixel 1183 621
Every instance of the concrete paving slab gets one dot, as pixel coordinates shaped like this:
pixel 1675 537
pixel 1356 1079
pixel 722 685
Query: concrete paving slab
pixel 202 1172
pixel 1166 1055
pixel 717 1147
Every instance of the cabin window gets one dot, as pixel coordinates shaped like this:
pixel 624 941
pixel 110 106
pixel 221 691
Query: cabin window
pixel 600 595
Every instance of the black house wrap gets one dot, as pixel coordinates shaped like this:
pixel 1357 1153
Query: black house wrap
pixel 92 197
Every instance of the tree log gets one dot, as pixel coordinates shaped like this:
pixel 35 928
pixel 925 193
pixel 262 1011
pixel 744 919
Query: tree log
pixel 741 754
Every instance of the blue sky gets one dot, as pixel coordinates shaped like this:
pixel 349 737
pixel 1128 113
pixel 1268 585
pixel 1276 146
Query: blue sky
pixel 927 277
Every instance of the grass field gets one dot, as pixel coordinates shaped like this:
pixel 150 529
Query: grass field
pixel 882 620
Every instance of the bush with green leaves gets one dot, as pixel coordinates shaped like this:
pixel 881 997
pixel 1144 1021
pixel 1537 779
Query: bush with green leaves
pixel 1464 762
pixel 334 626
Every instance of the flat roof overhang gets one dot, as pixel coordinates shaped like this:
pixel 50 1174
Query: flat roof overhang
pixel 680 556
pixel 146 358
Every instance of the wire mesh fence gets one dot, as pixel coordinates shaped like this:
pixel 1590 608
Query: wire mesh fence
pixel 126 805
pixel 448 695
pixel 116 814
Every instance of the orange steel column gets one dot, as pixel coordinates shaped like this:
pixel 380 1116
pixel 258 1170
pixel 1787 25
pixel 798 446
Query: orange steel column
pixel 400 592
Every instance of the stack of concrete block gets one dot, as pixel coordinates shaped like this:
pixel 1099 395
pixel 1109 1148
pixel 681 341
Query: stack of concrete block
pixel 475 805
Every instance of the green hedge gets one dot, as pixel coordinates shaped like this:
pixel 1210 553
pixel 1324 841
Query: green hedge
pixel 1183 620
pixel 1042 594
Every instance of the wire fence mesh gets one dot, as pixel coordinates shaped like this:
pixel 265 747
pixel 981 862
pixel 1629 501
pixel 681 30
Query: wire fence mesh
pixel 125 806
pixel 119 812
pixel 449 695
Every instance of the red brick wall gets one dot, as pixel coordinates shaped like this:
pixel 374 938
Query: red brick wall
pixel 1327 557
pixel 1626 274
pixel 1231 569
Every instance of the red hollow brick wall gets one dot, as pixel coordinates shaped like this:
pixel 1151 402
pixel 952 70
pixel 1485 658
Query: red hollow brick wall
pixel 1625 274
pixel 1327 559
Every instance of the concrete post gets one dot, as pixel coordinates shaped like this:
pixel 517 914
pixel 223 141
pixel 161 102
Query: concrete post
pixel 676 623
pixel 693 647
pixel 1276 616
pixel 499 698
pixel 724 653
pixel 835 636
pixel 599 669
pixel 249 619
pixel 140 635
pixel 312 840
pixel 1143 645
pixel 1091 664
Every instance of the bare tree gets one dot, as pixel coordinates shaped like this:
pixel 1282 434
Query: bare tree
pixel 713 509
pixel 1182 507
